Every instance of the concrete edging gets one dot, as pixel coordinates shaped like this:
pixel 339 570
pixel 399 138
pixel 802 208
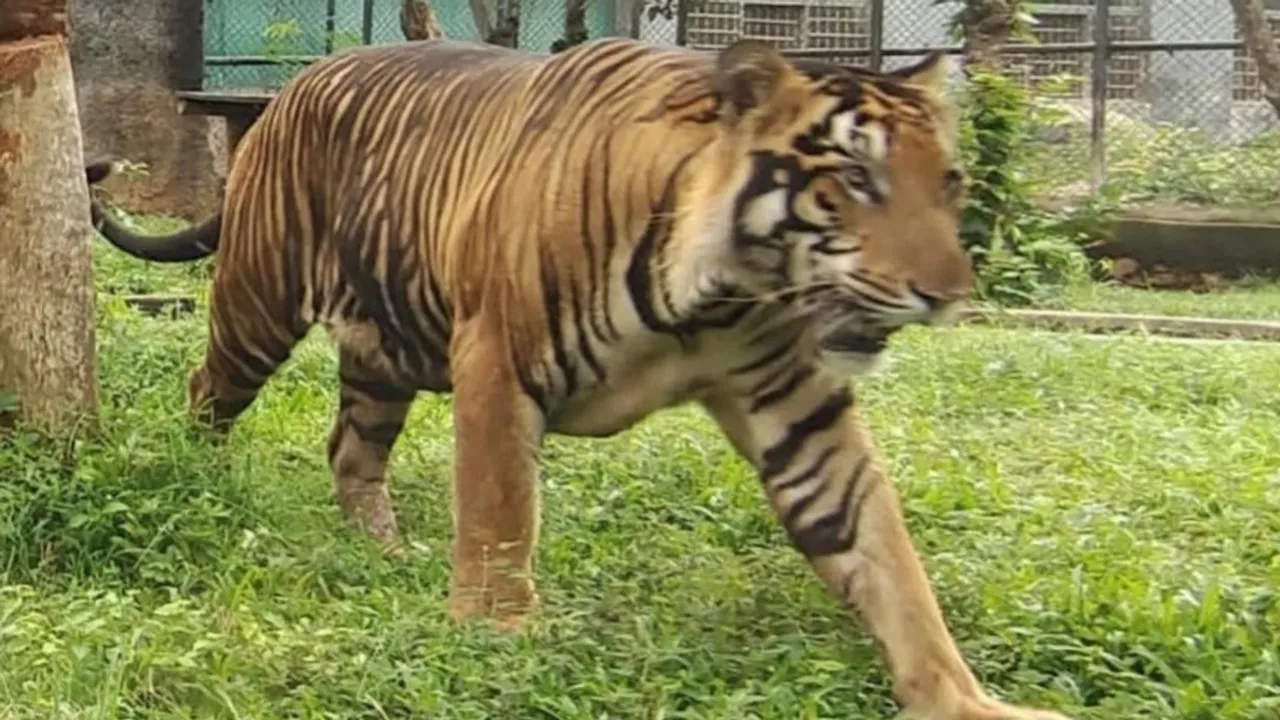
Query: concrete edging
pixel 1092 322
pixel 1097 322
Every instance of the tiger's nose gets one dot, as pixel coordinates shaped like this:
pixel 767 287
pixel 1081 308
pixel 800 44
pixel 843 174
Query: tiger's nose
pixel 943 307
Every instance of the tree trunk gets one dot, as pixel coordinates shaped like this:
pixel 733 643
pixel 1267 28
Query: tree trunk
pixel 418 21
pixel 987 25
pixel 1256 32
pixel 481 17
pixel 46 274
pixel 575 22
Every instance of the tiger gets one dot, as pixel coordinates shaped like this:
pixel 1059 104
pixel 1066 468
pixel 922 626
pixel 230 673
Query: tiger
pixel 569 243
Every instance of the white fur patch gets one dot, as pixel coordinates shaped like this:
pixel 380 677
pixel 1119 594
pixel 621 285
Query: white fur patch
pixel 800 260
pixel 843 130
pixel 845 365
pixel 876 143
pixel 764 213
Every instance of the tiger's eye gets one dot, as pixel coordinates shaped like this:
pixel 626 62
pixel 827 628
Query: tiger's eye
pixel 856 176
pixel 952 180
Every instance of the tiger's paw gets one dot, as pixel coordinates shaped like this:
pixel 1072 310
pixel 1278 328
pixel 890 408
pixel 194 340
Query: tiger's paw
pixel 986 708
pixel 507 605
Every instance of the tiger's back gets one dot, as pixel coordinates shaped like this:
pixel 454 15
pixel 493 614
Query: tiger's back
pixel 431 178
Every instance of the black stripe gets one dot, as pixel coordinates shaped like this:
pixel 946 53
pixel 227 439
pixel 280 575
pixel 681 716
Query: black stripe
pixel 782 392
pixel 762 361
pixel 263 368
pixel 875 283
pixel 584 343
pixel 434 305
pixel 861 499
pixel 382 433
pixel 808 473
pixel 586 195
pixel 610 236
pixel 780 456
pixel 768 380
pixel 800 505
pixel 551 304
pixel 825 536
pixel 717 315
pixel 530 385
pixel 376 390
pixel 640 282
pixel 243 382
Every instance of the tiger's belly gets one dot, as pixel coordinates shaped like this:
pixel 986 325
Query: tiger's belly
pixel 634 390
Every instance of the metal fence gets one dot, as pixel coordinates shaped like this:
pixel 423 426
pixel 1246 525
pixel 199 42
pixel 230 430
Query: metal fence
pixel 1158 96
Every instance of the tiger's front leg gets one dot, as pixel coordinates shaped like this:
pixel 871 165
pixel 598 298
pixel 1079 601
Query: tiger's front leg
pixel 822 476
pixel 497 428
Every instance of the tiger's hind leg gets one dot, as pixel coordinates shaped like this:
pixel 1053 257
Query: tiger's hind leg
pixel 244 350
pixel 371 415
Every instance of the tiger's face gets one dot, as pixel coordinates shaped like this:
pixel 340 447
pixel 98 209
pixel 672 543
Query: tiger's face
pixel 847 195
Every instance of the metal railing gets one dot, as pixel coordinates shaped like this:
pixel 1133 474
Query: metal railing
pixel 1154 93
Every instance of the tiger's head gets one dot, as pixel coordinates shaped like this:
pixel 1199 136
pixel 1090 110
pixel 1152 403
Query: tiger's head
pixel 840 189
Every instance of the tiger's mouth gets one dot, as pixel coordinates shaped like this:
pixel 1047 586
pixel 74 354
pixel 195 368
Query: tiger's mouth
pixel 859 341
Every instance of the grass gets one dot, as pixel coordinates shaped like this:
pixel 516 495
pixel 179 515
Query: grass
pixel 118 274
pixel 1101 520
pixel 1254 299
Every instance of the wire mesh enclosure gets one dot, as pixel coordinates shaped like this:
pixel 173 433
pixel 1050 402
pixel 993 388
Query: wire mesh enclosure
pixel 1167 93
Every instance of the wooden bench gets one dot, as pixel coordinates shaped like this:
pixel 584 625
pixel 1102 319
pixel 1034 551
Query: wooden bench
pixel 238 107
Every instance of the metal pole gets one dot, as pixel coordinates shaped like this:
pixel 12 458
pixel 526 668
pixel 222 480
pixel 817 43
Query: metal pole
pixel 876 39
pixel 330 9
pixel 366 25
pixel 1098 124
pixel 682 21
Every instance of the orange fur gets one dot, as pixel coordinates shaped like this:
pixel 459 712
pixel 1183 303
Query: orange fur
pixel 571 243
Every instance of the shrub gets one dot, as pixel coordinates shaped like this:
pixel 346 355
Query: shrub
pixel 1020 252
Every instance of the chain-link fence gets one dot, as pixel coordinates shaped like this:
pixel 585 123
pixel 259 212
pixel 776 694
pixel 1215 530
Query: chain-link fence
pixel 1166 95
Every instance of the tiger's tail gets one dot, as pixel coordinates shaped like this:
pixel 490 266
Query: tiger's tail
pixel 193 243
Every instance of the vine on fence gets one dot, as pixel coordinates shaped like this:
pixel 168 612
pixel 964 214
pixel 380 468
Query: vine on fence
pixel 1019 250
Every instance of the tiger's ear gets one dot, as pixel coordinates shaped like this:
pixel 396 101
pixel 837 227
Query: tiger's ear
pixel 930 73
pixel 748 75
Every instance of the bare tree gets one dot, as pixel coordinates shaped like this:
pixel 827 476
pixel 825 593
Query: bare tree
pixel 418 21
pixel 47 362
pixel 504 32
pixel 575 22
pixel 987 26
pixel 1261 44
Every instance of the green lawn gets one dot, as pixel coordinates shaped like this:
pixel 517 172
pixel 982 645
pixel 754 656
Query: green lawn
pixel 1248 300
pixel 117 273
pixel 1101 518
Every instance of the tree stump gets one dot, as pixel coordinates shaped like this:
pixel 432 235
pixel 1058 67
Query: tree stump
pixel 47 339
